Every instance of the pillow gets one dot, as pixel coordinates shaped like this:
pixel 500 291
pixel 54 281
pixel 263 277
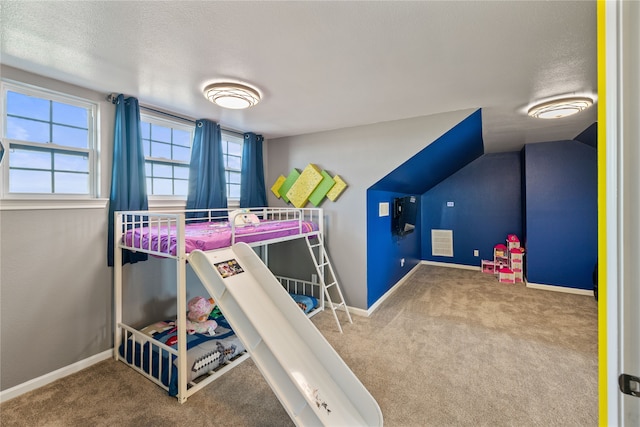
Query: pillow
pixel 306 303
pixel 243 217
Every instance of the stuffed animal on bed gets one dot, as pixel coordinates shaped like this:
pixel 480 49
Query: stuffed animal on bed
pixel 244 217
pixel 198 316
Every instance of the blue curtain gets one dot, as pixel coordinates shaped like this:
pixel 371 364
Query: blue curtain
pixel 207 183
pixel 128 184
pixel 252 188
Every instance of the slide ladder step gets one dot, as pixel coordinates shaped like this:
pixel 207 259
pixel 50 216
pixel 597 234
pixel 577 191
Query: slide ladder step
pixel 323 265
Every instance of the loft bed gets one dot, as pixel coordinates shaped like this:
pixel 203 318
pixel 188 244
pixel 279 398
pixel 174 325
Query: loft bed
pixel 164 352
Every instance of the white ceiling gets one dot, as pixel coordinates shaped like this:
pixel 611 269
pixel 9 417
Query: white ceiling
pixel 322 65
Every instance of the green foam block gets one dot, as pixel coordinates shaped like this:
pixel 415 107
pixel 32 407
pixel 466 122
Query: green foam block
pixel 322 189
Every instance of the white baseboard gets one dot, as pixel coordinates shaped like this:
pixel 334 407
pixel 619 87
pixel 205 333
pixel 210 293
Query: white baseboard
pixel 555 288
pixel 467 267
pixel 390 291
pixel 451 265
pixel 358 311
pixel 352 310
pixel 53 376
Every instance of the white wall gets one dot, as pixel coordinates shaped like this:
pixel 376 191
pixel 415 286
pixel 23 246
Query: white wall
pixel 361 156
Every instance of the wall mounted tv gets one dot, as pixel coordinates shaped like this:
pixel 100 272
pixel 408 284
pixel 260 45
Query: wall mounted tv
pixel 405 212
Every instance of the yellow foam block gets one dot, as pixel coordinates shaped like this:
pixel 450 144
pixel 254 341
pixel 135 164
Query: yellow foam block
pixel 309 179
pixel 276 185
pixel 286 185
pixel 337 188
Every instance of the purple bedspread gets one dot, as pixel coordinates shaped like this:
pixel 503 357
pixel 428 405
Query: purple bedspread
pixel 207 236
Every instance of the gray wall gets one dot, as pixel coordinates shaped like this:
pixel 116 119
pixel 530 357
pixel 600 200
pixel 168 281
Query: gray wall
pixel 361 156
pixel 56 290
pixel 55 287
pixel 56 297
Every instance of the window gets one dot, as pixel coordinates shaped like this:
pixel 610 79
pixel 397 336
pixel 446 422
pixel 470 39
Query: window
pixel 51 143
pixel 232 151
pixel 167 150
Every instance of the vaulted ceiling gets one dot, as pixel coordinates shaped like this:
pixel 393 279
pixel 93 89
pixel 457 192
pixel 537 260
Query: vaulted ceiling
pixel 322 65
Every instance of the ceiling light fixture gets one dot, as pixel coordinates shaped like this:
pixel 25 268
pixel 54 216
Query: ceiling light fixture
pixel 232 95
pixel 559 108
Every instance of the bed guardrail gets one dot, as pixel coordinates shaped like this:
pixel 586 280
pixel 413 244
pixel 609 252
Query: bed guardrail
pixel 156 233
pixel 138 349
pixel 133 341
pixel 311 288
pixel 162 234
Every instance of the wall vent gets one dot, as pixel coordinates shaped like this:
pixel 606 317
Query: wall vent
pixel 442 243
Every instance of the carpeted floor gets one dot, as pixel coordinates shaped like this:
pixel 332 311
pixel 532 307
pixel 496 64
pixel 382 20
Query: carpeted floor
pixel 450 347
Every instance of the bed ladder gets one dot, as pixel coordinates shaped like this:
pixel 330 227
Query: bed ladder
pixel 321 261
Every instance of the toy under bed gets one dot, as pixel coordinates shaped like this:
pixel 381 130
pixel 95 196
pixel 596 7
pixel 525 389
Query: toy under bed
pixel 153 349
pixel 204 353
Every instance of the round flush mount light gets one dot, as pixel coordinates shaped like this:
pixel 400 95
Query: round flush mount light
pixel 232 95
pixel 559 108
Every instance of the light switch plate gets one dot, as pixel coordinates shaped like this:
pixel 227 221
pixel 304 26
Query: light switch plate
pixel 383 209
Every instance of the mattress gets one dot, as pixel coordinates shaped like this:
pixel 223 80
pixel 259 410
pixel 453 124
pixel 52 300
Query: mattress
pixel 212 235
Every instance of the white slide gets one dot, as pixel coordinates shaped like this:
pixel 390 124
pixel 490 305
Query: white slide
pixel 313 383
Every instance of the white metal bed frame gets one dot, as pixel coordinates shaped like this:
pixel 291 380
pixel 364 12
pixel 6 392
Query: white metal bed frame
pixel 174 224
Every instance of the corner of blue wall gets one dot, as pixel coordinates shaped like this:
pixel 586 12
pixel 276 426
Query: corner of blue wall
pixel 436 162
pixel 385 250
pixel 481 204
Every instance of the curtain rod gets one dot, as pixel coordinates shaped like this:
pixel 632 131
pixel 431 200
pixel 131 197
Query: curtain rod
pixel 113 96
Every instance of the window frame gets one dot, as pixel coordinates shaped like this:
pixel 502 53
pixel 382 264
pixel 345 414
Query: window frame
pixel 225 136
pixel 177 123
pixel 179 201
pixel 92 151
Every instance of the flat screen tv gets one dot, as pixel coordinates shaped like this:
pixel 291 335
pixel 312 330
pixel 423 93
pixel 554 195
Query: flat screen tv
pixel 405 211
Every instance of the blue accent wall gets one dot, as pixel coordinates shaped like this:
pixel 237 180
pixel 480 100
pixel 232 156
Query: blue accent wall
pixel 546 194
pixel 487 206
pixel 384 250
pixel 433 164
pixel 561 213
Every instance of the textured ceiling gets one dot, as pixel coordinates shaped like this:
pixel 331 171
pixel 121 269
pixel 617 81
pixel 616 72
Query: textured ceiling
pixel 321 65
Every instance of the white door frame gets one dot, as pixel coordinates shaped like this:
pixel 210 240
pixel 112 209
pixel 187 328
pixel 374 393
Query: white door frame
pixel 619 230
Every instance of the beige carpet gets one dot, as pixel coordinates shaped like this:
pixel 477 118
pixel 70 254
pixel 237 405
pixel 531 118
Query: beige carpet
pixel 450 347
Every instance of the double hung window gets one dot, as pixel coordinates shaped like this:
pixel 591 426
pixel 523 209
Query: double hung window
pixel 167 149
pixel 51 148
pixel 51 144
pixel 232 152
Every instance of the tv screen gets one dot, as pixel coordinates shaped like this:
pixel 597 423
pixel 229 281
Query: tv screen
pixel 405 212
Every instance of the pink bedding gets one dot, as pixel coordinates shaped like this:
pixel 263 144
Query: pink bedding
pixel 207 236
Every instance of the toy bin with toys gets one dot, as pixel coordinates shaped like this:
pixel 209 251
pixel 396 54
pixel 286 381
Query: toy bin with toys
pixel 487 266
pixel 516 256
pixel 500 257
pixel 505 275
pixel 508 261
pixel 513 241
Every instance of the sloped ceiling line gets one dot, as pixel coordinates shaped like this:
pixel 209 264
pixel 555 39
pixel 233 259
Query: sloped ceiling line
pixel 438 160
